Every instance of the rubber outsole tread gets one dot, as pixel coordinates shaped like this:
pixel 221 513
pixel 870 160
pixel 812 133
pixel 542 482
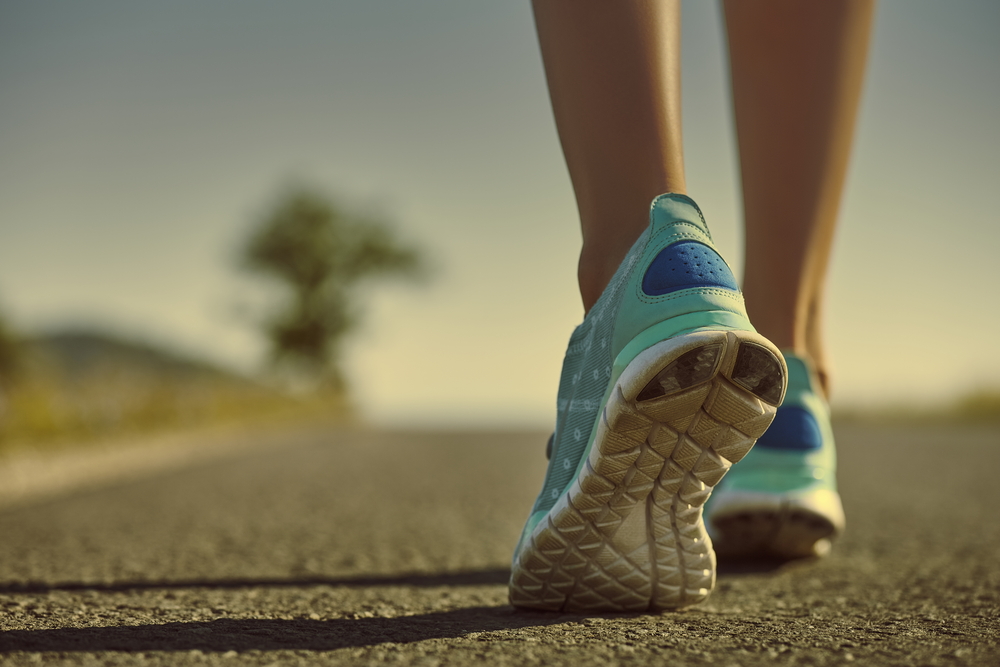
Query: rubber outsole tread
pixel 627 535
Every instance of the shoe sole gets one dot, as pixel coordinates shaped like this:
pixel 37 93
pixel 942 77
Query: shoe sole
pixel 628 533
pixel 759 525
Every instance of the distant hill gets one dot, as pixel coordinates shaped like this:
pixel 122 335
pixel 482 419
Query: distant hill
pixel 77 354
pixel 77 385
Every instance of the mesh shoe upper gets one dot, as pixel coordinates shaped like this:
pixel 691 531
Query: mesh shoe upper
pixel 671 282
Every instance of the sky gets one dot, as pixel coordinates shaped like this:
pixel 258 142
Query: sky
pixel 140 141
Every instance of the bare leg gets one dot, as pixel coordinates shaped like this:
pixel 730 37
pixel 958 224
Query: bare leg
pixel 797 69
pixel 613 71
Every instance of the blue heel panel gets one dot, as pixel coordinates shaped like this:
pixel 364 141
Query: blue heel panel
pixel 793 428
pixel 685 265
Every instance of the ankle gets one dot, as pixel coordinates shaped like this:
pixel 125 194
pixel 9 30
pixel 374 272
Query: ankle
pixel 596 268
pixel 818 367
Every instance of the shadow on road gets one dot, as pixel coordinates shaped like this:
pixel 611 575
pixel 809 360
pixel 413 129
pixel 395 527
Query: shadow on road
pixel 274 635
pixel 731 567
pixel 487 577
pixel 467 578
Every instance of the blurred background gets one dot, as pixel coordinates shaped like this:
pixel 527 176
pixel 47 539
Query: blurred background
pixel 143 146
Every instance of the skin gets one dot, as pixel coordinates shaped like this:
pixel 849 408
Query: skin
pixel 613 70
pixel 797 72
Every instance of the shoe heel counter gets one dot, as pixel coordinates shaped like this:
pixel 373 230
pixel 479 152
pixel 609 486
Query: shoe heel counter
pixel 680 210
pixel 679 275
pixel 801 428
pixel 793 428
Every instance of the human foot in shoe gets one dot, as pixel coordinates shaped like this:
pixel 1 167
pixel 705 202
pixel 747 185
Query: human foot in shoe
pixel 665 385
pixel 782 501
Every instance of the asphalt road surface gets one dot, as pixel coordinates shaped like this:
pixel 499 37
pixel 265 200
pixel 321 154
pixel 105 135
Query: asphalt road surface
pixel 352 547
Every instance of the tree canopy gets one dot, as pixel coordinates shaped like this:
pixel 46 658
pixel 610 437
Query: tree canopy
pixel 10 354
pixel 322 253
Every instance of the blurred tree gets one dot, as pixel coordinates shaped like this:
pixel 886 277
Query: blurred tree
pixel 10 366
pixel 322 254
pixel 10 357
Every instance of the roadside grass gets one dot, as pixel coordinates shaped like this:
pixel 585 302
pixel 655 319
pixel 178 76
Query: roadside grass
pixel 977 407
pixel 46 410
pixel 76 388
pixel 116 396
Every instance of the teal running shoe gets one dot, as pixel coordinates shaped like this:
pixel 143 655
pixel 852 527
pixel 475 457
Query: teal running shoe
pixel 665 385
pixel 782 501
